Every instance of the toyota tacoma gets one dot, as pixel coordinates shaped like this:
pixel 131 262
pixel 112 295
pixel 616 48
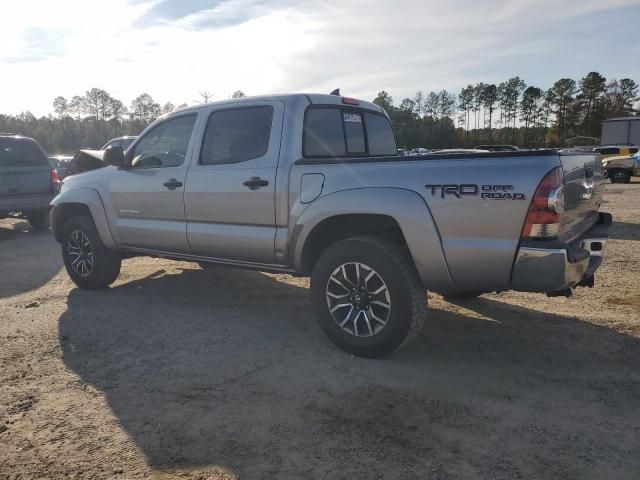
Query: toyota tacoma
pixel 313 185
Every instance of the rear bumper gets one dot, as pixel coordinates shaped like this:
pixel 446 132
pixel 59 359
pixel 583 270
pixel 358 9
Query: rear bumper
pixel 562 266
pixel 26 203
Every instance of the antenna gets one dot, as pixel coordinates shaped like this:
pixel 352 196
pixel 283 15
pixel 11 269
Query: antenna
pixel 335 92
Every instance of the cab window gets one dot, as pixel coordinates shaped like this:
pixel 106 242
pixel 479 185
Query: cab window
pixel 236 135
pixel 344 132
pixel 165 145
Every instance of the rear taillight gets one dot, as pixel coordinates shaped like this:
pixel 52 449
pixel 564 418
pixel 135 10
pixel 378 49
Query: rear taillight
pixel 55 180
pixel 545 213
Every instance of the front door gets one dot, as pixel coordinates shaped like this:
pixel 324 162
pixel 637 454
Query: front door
pixel 147 198
pixel 230 188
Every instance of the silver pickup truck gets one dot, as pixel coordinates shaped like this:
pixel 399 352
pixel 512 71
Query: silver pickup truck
pixel 312 185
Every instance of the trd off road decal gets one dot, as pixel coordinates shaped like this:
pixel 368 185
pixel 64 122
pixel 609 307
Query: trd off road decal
pixel 487 192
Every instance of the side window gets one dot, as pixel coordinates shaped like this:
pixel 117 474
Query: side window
pixel 380 135
pixel 323 133
pixel 165 145
pixel 236 135
pixel 633 150
pixel 609 151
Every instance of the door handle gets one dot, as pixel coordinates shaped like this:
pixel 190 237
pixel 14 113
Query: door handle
pixel 254 183
pixel 172 184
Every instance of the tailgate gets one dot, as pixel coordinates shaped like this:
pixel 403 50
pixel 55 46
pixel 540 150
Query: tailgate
pixel 584 187
pixel 16 181
pixel 24 168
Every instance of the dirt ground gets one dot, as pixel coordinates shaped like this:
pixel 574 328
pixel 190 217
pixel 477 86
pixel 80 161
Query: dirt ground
pixel 177 372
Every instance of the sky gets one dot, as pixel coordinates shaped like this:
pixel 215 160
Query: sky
pixel 174 49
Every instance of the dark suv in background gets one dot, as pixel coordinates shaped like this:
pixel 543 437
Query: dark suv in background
pixel 28 180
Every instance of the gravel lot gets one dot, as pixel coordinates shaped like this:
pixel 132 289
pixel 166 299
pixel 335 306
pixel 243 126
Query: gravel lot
pixel 178 372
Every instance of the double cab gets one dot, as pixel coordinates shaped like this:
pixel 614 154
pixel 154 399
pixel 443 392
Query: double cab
pixel 313 185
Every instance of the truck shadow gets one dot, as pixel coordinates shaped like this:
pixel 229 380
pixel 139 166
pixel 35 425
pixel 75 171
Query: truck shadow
pixel 21 254
pixel 624 231
pixel 227 367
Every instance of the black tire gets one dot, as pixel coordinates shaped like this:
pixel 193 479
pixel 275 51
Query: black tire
pixel 407 310
pixel 618 175
pixel 39 219
pixel 106 263
pixel 462 295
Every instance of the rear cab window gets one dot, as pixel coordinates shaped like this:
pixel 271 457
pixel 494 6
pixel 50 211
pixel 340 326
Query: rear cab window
pixel 333 131
pixel 21 152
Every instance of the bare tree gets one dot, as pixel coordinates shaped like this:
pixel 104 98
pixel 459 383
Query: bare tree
pixel 205 96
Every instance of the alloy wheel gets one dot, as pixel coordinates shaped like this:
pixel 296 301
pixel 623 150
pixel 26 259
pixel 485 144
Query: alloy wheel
pixel 358 299
pixel 80 253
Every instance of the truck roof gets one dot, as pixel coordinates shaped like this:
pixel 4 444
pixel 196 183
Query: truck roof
pixel 622 119
pixel 312 98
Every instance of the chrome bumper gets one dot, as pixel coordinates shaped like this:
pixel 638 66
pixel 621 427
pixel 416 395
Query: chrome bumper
pixel 555 269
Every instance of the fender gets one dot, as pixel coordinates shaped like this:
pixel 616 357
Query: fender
pixel 405 206
pixel 91 198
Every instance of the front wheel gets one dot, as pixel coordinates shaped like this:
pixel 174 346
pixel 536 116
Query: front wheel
pixel 88 262
pixel 367 296
pixel 620 176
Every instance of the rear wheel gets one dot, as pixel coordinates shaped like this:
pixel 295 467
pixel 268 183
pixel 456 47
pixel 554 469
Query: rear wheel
pixel 88 262
pixel 619 175
pixel 367 296
pixel 39 219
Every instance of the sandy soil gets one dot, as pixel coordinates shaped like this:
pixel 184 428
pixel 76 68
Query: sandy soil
pixel 176 372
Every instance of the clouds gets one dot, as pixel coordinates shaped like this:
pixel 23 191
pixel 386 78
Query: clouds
pixel 206 14
pixel 173 49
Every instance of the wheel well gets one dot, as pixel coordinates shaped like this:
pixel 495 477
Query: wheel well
pixel 340 227
pixel 64 213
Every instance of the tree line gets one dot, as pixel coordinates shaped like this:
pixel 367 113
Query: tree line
pixel 89 120
pixel 511 112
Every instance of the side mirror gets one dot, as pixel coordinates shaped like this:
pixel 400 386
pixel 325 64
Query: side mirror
pixel 114 156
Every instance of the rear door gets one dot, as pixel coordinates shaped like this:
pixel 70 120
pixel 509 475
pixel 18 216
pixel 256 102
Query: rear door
pixel 230 188
pixel 24 168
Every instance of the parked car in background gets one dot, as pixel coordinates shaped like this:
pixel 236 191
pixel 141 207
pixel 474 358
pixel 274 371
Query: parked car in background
pixel 620 169
pixel 122 142
pixel 458 150
pixel 419 151
pixel 497 148
pixel 616 151
pixel 61 164
pixel 28 180
pixel 321 191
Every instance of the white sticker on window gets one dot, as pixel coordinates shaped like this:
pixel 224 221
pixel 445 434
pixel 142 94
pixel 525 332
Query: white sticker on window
pixel 353 117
